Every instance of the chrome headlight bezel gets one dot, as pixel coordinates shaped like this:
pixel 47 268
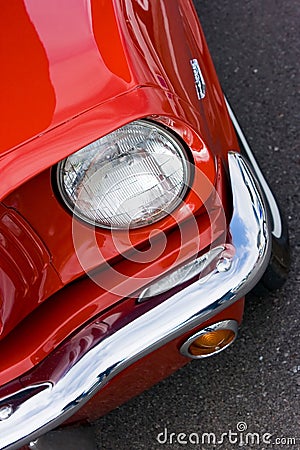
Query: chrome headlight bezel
pixel 178 146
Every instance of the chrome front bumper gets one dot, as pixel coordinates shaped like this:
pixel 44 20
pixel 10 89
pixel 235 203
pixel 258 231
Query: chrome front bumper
pixel 32 411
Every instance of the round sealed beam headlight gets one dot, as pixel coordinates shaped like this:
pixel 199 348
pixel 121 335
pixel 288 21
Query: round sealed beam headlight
pixel 129 178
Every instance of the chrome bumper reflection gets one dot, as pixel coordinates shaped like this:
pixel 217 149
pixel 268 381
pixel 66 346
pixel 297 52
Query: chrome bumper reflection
pixel 35 410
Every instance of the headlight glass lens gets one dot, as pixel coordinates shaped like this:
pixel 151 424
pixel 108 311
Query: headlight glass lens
pixel 130 178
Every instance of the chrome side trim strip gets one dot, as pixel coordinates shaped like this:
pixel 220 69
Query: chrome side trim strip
pixel 34 415
pixel 276 218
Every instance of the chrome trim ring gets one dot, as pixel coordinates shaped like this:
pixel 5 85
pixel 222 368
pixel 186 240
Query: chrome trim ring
pixel 224 325
pixel 48 407
pixel 178 145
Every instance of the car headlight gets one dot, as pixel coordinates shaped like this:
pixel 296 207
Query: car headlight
pixel 130 178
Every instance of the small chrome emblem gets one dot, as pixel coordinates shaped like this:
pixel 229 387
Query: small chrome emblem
pixel 199 80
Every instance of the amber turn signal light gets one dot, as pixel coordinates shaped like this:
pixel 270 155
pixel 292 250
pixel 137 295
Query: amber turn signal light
pixel 210 340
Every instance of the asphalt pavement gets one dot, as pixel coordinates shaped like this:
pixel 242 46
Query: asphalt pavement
pixel 253 386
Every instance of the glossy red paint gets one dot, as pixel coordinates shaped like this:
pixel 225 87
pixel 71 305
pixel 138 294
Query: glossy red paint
pixel 54 69
pixel 26 273
pixel 27 95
